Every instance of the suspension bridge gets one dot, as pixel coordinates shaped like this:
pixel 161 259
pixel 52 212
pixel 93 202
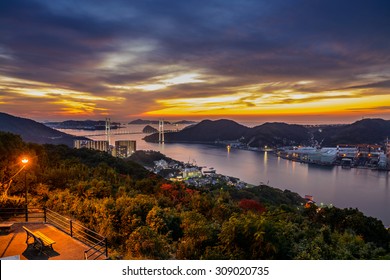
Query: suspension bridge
pixel 125 131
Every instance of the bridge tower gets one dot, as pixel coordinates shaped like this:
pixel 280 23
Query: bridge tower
pixel 160 131
pixel 108 130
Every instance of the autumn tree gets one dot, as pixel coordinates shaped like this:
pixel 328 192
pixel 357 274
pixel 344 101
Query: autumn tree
pixel 145 243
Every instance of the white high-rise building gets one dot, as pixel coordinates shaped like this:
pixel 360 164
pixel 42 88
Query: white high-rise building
pixel 93 145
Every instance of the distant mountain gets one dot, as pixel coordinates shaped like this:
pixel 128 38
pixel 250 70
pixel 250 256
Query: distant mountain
pixel 149 129
pixel 277 134
pixel 206 131
pixel 273 134
pixel 85 125
pixel 140 121
pixel 185 122
pixel 32 131
pixel 366 131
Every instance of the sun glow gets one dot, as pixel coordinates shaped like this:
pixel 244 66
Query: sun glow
pixel 170 80
pixel 61 100
pixel 279 102
pixel 275 98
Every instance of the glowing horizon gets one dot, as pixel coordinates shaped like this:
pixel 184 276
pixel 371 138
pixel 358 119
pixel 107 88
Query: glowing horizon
pixel 196 61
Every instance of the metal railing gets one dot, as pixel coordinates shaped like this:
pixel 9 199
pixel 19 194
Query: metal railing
pixel 23 214
pixel 96 242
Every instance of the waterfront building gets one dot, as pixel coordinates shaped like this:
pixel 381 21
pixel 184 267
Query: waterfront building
pixel 192 172
pixel 100 145
pixel 346 151
pixel 124 148
pixel 300 153
pixel 388 149
pixel 382 162
pixel 328 155
pixel 161 164
pixel 325 156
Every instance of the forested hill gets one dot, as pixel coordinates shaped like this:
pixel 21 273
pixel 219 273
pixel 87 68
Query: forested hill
pixel 86 125
pixel 367 131
pixel 144 216
pixel 277 134
pixel 32 131
pixel 205 131
pixel 209 131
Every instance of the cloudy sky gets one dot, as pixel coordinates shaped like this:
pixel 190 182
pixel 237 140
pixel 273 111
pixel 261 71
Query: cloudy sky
pixel 295 61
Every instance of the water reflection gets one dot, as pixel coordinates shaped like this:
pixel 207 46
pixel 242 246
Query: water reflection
pixel 265 161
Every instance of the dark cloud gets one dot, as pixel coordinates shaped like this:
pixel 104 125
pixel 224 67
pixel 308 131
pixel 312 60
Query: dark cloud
pixel 285 100
pixel 69 44
pixel 290 38
pixel 377 108
pixel 382 84
pixel 299 38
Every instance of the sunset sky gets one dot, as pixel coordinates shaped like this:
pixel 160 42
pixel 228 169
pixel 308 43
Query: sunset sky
pixel 299 61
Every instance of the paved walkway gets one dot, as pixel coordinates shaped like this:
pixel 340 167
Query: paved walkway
pixel 13 243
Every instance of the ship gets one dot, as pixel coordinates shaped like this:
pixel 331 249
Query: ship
pixel 210 170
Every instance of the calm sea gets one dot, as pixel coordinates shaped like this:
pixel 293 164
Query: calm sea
pixel 365 189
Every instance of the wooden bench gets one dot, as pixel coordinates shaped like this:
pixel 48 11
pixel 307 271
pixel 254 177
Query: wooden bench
pixel 5 227
pixel 40 240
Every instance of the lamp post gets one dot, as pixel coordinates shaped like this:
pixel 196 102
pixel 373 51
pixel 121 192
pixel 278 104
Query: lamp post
pixel 24 162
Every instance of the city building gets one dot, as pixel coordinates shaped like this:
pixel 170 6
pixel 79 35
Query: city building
pixel 124 148
pixel 326 156
pixel 161 164
pixel 100 145
pixel 388 149
pixel 192 172
pixel 382 161
pixel 347 151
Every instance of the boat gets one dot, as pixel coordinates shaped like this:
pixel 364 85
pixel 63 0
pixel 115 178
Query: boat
pixel 211 170
pixel 346 163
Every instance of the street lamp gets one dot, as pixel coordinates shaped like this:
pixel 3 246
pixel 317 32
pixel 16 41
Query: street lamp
pixel 24 162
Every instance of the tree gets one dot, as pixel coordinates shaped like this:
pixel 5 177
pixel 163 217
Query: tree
pixel 251 205
pixel 198 234
pixel 145 243
pixel 165 222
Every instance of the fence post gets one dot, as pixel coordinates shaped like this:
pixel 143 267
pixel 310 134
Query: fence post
pixel 105 240
pixel 71 228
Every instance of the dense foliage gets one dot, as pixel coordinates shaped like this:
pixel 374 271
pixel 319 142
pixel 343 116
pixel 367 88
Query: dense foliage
pixel 146 217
